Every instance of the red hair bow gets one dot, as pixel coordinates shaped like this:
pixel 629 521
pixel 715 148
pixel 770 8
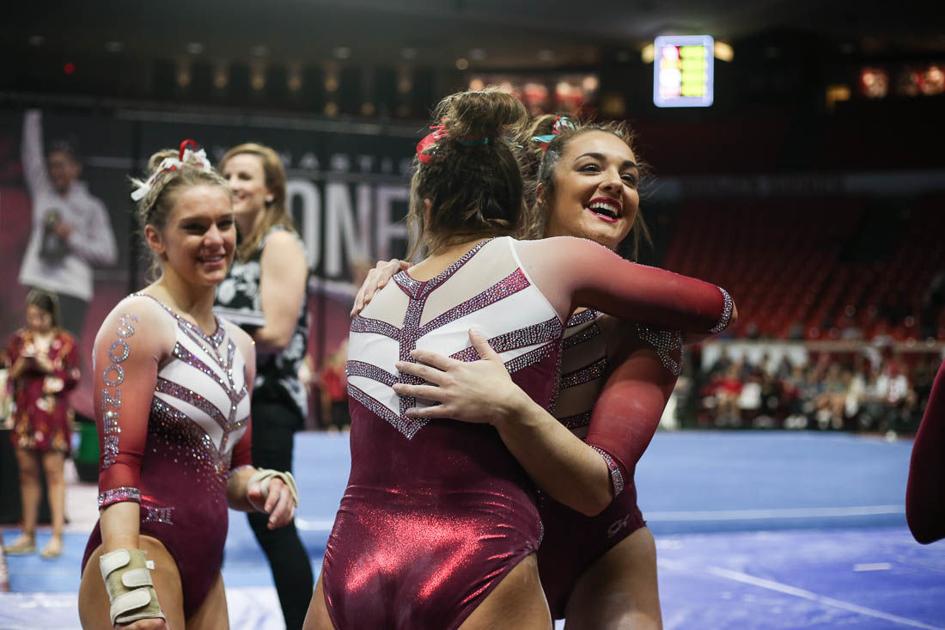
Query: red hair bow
pixel 437 133
pixel 187 143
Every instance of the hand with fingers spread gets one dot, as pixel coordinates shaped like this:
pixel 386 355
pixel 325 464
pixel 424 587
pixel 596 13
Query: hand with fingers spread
pixel 478 392
pixel 377 278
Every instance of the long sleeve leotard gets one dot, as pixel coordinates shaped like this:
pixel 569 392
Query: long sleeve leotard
pixel 172 411
pixel 436 513
pixel 616 379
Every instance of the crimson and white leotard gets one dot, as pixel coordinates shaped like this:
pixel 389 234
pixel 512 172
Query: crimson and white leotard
pixel 171 428
pixel 615 381
pixel 436 513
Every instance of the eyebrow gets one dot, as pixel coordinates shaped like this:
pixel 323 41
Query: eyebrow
pixel 601 157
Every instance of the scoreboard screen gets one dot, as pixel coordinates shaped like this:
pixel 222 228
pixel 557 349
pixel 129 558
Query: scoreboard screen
pixel 683 71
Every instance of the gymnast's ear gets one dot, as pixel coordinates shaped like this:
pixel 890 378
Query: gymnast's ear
pixel 539 193
pixel 154 239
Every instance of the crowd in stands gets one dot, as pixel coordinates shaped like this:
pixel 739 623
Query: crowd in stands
pixel 871 390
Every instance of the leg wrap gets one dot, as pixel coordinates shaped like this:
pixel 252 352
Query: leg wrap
pixel 127 576
pixel 264 476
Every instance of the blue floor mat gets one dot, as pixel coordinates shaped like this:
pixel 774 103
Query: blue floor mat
pixel 754 530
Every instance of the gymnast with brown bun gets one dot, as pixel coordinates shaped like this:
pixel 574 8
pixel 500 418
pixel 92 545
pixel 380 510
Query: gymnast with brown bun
pixel 439 525
pixel 598 559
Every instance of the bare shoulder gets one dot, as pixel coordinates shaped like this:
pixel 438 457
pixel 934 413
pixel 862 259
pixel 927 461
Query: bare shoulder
pixel 282 242
pixel 283 252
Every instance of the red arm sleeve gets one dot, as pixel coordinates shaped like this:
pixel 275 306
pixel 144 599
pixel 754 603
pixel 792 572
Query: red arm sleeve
pixel 925 490
pixel 629 407
pixel 575 272
pixel 242 452
pixel 125 366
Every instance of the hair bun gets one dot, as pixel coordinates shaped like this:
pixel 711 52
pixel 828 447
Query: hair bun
pixel 483 114
pixel 154 163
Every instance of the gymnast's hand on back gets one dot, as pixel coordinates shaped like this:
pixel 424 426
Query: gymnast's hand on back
pixel 376 280
pixel 479 391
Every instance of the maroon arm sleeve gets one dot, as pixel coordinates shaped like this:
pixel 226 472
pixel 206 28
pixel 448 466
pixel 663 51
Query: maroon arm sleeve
pixel 575 272
pixel 242 452
pixel 125 368
pixel 925 490
pixel 629 408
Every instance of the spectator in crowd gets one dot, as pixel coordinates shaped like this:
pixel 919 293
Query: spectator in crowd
pixel 334 390
pixel 71 229
pixel 831 392
pixel 43 370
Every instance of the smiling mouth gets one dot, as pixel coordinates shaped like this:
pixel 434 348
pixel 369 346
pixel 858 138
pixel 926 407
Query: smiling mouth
pixel 605 208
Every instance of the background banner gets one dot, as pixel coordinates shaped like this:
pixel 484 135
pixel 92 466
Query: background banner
pixel 347 188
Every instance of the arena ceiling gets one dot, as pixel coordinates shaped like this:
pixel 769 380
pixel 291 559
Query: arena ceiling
pixel 488 33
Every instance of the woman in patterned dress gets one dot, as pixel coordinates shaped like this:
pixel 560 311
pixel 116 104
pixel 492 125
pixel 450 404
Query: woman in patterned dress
pixel 44 369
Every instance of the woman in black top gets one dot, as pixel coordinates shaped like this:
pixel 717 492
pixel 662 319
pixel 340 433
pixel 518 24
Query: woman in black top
pixel 265 293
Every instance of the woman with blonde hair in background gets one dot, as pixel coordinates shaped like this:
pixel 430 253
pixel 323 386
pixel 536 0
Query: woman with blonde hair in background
pixel 172 391
pixel 265 294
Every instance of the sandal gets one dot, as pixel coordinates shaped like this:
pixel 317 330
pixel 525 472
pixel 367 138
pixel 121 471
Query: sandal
pixel 22 546
pixel 53 548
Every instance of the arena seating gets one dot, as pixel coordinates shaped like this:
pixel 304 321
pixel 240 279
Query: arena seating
pixel 839 267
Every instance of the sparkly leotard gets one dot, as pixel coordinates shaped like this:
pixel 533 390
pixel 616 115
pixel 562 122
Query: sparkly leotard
pixel 642 362
pixel 436 513
pixel 171 429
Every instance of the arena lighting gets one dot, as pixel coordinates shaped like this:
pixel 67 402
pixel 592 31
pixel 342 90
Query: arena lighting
pixel 874 82
pixel 647 53
pixel 220 76
pixel 294 78
pixel 835 94
pixel 722 51
pixel 257 76
pixel 683 71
